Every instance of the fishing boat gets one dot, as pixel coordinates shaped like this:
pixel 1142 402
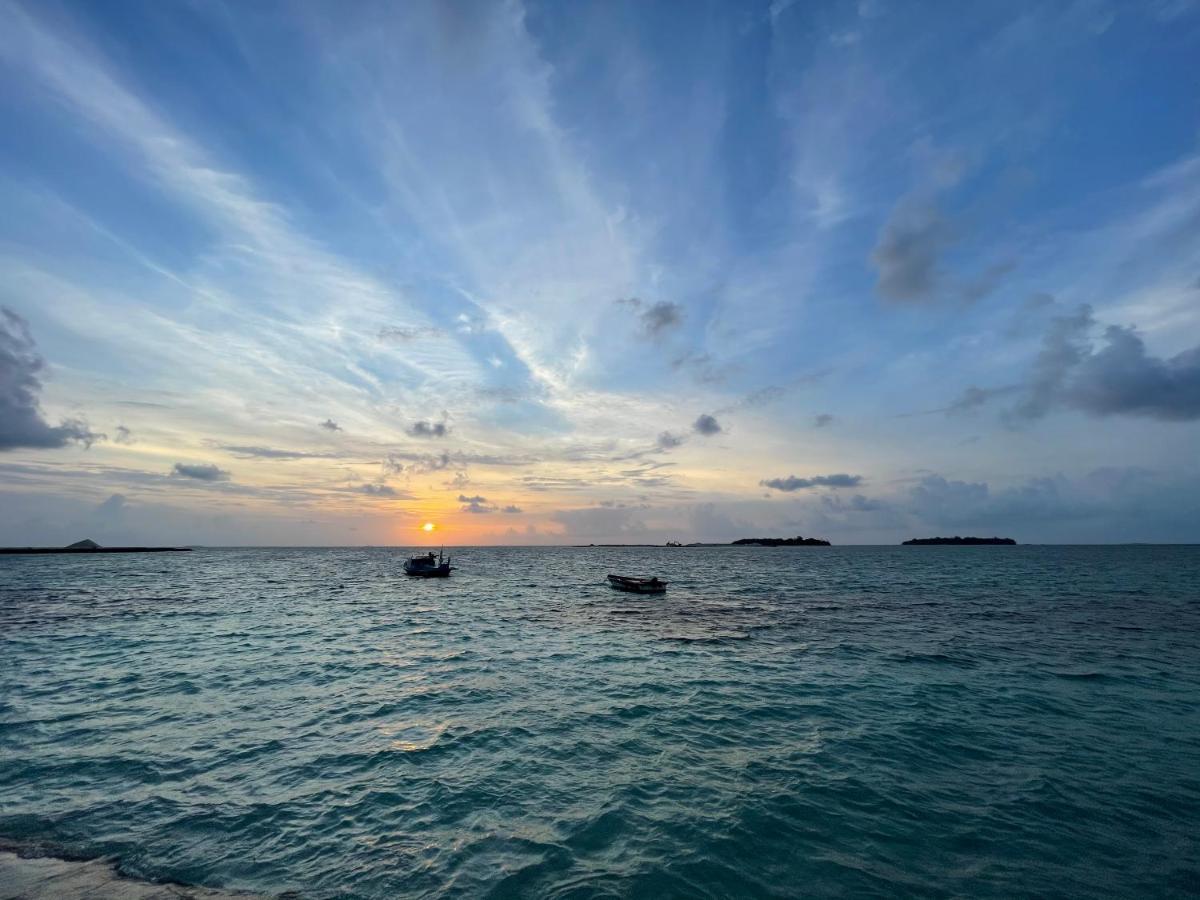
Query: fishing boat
pixel 637 585
pixel 428 565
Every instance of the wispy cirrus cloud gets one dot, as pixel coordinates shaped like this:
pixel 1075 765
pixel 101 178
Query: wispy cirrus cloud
pixel 254 452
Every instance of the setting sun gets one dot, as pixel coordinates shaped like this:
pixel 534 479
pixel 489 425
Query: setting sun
pixel 428 526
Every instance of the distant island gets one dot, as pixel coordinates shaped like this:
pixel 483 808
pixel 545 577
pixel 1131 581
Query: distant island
pixel 797 541
pixel 958 541
pixel 87 545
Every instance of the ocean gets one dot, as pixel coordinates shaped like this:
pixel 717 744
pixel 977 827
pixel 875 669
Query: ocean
pixel 845 721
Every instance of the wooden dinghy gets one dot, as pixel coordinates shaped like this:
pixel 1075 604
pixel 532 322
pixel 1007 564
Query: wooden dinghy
pixel 637 585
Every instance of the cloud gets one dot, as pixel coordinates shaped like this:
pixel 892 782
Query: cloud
pixel 431 463
pixel 657 318
pixel 666 440
pixel 475 504
pixel 762 397
pixel 709 523
pixel 661 316
pixel 1063 347
pixel 331 425
pixel 1108 501
pixel 377 490
pixel 792 483
pixel 427 429
pixel 612 523
pixel 986 281
pixel 247 452
pixel 405 334
pixel 113 507
pixel 907 255
pixel 706 425
pixel 511 509
pixel 471 324
pixel 974 397
pixel 1119 378
pixel 704 368
pixel 418 462
pixel 21 421
pixel 823 420
pixel 936 499
pixel 1029 315
pixel 859 503
pixel 200 471
pixel 771 393
pixel 1123 379
pixel 123 435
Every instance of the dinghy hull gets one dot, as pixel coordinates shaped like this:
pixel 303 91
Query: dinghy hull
pixel 637 585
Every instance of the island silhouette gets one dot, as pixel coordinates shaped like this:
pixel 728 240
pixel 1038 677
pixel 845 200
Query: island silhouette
pixel 958 541
pixel 797 541
pixel 87 545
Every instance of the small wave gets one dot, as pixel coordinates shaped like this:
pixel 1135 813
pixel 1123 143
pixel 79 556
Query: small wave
pixel 1083 676
pixel 705 638
pixel 945 659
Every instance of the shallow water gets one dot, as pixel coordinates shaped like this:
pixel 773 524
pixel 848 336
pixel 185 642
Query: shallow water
pixel 934 721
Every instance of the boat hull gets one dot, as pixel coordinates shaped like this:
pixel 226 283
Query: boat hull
pixel 442 571
pixel 637 585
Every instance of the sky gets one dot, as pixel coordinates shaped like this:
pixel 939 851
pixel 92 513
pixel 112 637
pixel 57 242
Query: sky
pixel 570 273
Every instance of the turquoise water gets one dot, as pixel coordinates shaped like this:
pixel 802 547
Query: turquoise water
pixel 933 721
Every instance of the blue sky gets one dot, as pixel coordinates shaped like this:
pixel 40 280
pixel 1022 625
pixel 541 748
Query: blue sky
pixel 545 273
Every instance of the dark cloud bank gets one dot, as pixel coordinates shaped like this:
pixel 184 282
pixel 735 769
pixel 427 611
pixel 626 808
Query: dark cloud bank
pixel 21 421
pixel 427 429
pixel 792 483
pixel 1110 377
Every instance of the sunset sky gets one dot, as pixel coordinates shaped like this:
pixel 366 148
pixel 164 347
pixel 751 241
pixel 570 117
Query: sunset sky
pixel 320 273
